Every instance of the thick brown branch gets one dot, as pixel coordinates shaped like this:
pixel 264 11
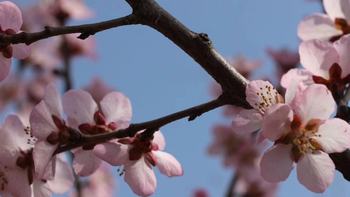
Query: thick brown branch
pixel 84 30
pixel 148 12
pixel 150 126
pixel 197 45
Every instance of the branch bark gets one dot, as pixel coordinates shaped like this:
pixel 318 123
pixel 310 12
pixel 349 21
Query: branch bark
pixel 84 30
pixel 149 13
pixel 150 126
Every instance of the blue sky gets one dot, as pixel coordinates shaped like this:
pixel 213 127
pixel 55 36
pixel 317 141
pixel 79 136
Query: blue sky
pixel 160 79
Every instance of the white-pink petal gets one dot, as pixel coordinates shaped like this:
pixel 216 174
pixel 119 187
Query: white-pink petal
pixel 140 177
pixel 167 164
pixel 42 155
pixel 317 26
pixel 13 139
pixel 296 79
pixel 85 162
pixel 53 101
pixel 315 102
pixel 80 107
pixel 116 107
pixel 343 47
pixel 63 179
pixel 276 122
pixel 113 153
pixel 316 171
pixel 5 64
pixel 247 121
pixel 158 138
pixel 41 121
pixel 10 16
pixel 20 51
pixel 276 164
pixel 334 136
pixel 318 56
pixel 337 8
pixel 260 94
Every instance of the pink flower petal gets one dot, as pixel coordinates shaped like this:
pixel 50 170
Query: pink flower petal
pixel 42 155
pixel 41 189
pixel 277 121
pixel 76 9
pixel 295 80
pixel 158 138
pixel 260 95
pixel 17 182
pixel 63 180
pixel 247 121
pixel 316 171
pixel 5 64
pixel 41 121
pixel 13 139
pixel 85 162
pixel 337 8
pixel 21 51
pixel 343 47
pixel 167 164
pixel 117 108
pixel 79 107
pixel 276 164
pixel 334 136
pixel 10 16
pixel 112 153
pixel 140 177
pixel 306 104
pixel 53 101
pixel 317 26
pixel 318 56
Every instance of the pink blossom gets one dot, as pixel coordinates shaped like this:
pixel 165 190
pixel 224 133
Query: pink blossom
pixel 100 184
pixel 303 134
pixel 59 184
pixel 285 59
pixel 49 128
pixel 325 63
pixel 237 148
pixel 138 155
pixel 261 95
pixel 251 183
pixel 112 113
pixel 330 26
pixel 98 89
pixel 244 66
pixel 10 23
pixel 16 164
pixel 322 26
pixel 75 9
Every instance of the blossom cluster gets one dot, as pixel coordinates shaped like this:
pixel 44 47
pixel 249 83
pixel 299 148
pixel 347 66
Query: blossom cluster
pixel 302 125
pixel 47 121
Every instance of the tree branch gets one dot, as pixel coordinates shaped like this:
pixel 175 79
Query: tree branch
pixel 150 126
pixel 196 45
pixel 148 12
pixel 84 30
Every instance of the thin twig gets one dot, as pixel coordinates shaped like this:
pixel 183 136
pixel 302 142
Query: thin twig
pixel 84 30
pixel 151 126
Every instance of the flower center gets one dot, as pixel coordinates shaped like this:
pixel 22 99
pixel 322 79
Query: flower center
pixel 101 125
pixel 140 147
pixel 268 96
pixel 335 83
pixel 302 138
pixel 341 24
